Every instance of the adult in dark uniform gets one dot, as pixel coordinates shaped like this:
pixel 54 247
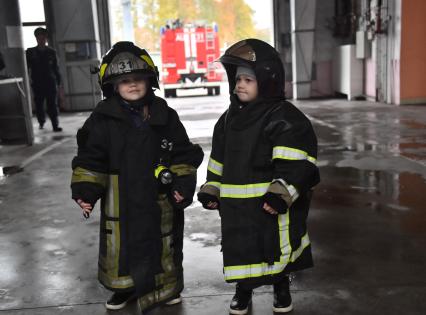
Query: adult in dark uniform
pixel 45 78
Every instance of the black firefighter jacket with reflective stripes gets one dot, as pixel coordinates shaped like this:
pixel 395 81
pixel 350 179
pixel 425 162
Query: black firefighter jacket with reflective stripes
pixel 117 161
pixel 259 148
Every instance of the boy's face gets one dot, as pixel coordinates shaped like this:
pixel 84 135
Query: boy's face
pixel 132 87
pixel 246 88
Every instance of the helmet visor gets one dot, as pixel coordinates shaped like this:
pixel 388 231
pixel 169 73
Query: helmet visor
pixel 131 77
pixel 242 50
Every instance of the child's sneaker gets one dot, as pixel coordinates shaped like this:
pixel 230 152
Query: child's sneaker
pixel 119 300
pixel 240 302
pixel 175 300
pixel 282 297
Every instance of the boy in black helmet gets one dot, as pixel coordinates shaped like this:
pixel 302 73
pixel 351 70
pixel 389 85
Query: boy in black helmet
pixel 260 176
pixel 134 155
pixel 45 79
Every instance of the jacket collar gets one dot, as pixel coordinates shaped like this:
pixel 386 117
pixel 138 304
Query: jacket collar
pixel 158 110
pixel 243 117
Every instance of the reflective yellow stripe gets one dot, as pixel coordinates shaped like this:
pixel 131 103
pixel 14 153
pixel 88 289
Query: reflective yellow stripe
pixel 298 252
pixel 102 71
pixel 158 170
pixel 114 281
pixel 112 203
pixel 215 167
pixel 287 153
pixel 148 61
pixel 263 269
pixel 83 175
pixel 183 169
pixel 243 191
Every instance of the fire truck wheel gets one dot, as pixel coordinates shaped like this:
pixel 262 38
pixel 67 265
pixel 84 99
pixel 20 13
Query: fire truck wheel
pixel 217 90
pixel 209 91
pixel 169 93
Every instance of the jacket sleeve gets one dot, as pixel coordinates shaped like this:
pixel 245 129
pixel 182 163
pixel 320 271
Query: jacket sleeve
pixel 90 166
pixel 56 69
pixel 294 154
pixel 215 164
pixel 186 157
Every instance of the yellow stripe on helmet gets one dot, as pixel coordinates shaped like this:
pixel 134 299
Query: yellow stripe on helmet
pixel 102 71
pixel 148 60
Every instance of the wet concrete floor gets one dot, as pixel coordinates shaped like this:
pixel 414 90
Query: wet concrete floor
pixel 367 221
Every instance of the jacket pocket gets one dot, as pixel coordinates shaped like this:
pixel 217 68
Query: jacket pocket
pixel 271 239
pixel 262 157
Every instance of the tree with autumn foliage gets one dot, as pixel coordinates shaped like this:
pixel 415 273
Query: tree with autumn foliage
pixel 233 17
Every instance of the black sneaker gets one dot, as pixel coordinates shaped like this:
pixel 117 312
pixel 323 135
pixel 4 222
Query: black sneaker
pixel 241 301
pixel 57 129
pixel 41 126
pixel 282 297
pixel 119 300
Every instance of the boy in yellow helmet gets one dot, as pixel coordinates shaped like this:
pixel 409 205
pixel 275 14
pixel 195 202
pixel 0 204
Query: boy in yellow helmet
pixel 134 155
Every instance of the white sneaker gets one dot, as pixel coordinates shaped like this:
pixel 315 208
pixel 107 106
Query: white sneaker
pixel 175 300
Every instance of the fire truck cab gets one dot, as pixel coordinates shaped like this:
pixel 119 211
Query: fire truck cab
pixel 187 55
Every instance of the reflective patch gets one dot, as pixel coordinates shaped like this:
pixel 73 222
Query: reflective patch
pixel 158 170
pixel 287 153
pixel 115 282
pixel 109 264
pixel 215 167
pixel 292 191
pixel 183 169
pixel 83 175
pixel 243 191
pixel 263 268
pixel 214 184
pixel 112 202
pixel 149 61
pixel 102 71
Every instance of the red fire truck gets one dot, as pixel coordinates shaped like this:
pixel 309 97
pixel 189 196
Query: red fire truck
pixel 187 55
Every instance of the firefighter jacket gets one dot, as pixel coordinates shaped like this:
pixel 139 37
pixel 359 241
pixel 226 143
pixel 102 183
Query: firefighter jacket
pixel 141 229
pixel 265 146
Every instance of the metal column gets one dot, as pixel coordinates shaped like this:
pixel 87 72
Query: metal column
pixel 128 32
pixel 15 106
pixel 302 14
pixel 76 30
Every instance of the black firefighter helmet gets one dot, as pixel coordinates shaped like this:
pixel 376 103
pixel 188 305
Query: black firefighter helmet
pixel 125 58
pixel 263 59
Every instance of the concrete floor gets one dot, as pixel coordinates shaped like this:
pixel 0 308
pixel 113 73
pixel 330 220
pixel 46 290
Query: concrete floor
pixel 367 221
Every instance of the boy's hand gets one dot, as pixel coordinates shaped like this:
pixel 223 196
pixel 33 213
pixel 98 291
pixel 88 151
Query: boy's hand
pixel 180 201
pixel 269 209
pixel 178 197
pixel 87 208
pixel 208 201
pixel 274 204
